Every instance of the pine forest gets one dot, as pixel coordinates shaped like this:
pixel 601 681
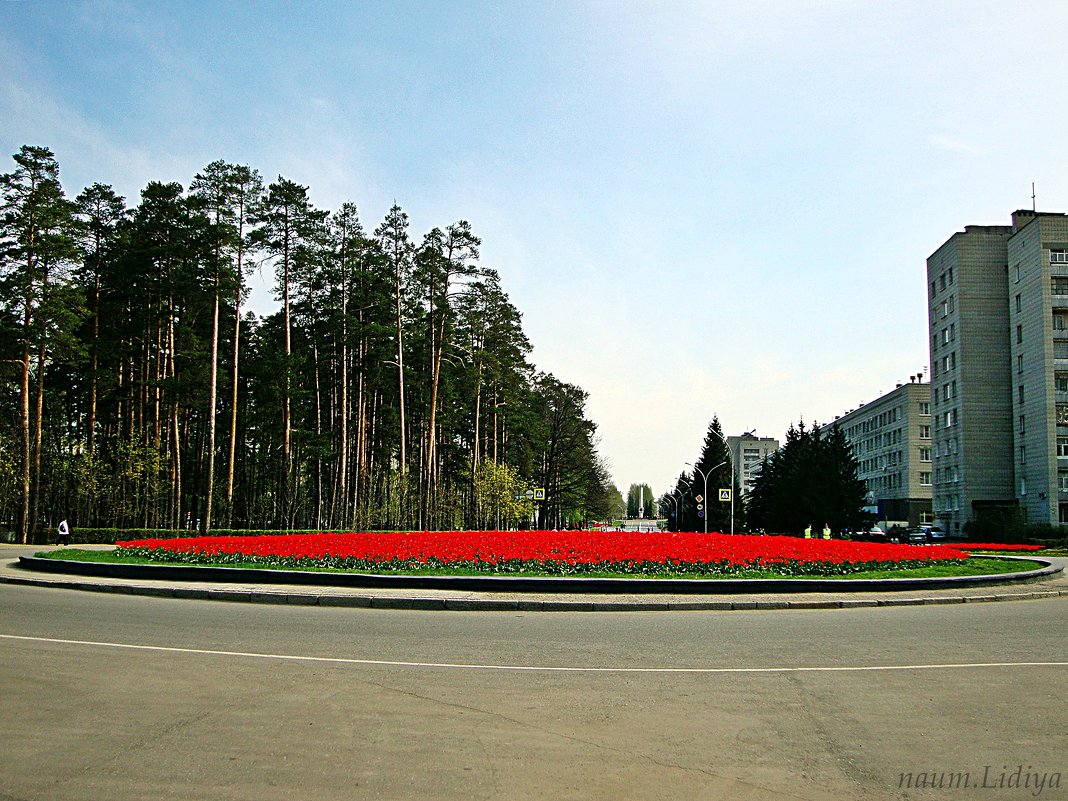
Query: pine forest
pixel 391 389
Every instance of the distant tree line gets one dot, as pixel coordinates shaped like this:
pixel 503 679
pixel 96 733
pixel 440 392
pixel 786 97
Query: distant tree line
pixel 391 389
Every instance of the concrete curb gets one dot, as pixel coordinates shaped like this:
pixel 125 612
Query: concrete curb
pixel 512 584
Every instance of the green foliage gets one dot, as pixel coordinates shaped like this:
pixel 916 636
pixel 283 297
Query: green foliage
pixel 810 481
pixel 391 390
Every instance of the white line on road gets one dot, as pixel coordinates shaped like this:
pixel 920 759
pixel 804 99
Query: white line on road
pixel 530 668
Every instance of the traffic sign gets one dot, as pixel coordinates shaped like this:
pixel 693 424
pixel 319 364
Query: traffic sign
pixel 725 495
pixel 700 499
pixel 700 513
pixel 539 494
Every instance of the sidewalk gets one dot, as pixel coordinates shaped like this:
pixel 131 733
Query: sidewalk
pixel 459 600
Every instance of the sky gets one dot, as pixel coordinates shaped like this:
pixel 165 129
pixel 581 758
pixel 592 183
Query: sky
pixel 701 208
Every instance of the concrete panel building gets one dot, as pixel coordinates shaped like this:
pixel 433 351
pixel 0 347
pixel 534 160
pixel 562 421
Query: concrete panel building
pixel 998 307
pixel 891 441
pixel 748 452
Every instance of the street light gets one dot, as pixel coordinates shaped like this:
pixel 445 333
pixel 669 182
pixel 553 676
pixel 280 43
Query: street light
pixel 676 504
pixel 705 477
pixel 681 507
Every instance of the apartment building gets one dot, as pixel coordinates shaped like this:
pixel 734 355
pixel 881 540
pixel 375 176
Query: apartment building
pixel 748 452
pixel 891 441
pixel 998 325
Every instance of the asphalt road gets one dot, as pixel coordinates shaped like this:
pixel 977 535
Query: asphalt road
pixel 247 701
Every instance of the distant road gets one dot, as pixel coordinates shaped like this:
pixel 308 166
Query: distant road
pixel 123 697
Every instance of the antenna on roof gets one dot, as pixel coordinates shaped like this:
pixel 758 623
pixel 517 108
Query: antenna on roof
pixel 1032 196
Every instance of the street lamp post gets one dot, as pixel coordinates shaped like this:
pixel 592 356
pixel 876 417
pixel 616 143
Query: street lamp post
pixel 730 458
pixel 705 476
pixel 678 507
pixel 675 504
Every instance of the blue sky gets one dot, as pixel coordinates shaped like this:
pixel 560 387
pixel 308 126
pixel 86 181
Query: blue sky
pixel 700 207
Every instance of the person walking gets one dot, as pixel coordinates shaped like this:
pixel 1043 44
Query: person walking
pixel 63 533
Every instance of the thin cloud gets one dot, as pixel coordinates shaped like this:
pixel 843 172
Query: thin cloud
pixel 956 145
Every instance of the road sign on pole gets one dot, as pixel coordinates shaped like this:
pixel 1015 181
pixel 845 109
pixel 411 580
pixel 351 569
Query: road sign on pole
pixel 725 495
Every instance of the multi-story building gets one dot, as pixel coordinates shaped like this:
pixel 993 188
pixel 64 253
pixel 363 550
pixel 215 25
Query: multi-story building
pixel 748 452
pixel 891 441
pixel 998 320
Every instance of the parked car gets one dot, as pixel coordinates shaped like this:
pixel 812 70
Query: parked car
pixel 915 534
pixel 935 533
pixel 873 534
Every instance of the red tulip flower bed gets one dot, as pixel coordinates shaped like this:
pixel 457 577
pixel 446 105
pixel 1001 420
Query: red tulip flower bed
pixel 557 553
pixel 994 546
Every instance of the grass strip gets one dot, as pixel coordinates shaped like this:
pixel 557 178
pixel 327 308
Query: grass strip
pixel 967 567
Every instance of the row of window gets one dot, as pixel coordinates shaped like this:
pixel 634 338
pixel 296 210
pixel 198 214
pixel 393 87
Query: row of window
pixel 944 280
pixel 946 447
pixel 945 308
pixel 948 334
pixel 946 503
pixel 877 463
pixel 947 475
pixel 874 422
pixel 892 481
pixel 949 362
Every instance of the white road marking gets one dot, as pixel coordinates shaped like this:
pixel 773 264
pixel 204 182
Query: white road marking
pixel 529 668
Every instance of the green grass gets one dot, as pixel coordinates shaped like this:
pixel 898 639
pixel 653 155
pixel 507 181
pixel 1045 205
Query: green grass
pixel 970 567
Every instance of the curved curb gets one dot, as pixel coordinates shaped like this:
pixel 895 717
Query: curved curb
pixel 503 584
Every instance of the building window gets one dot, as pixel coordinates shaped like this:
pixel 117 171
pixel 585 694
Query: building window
pixel 1023 454
pixel 1019 362
pixel 925 432
pixel 1061 381
pixel 1060 349
pixel 941 282
pixel 1021 424
pixel 925 479
pixel 1017 304
pixel 1019 334
pixel 1017 271
pixel 1062 447
pixel 1058 257
pixel 1062 482
pixel 925 454
pixel 951 418
pixel 1060 322
pixel 1058 285
pixel 925 408
pixel 1020 393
